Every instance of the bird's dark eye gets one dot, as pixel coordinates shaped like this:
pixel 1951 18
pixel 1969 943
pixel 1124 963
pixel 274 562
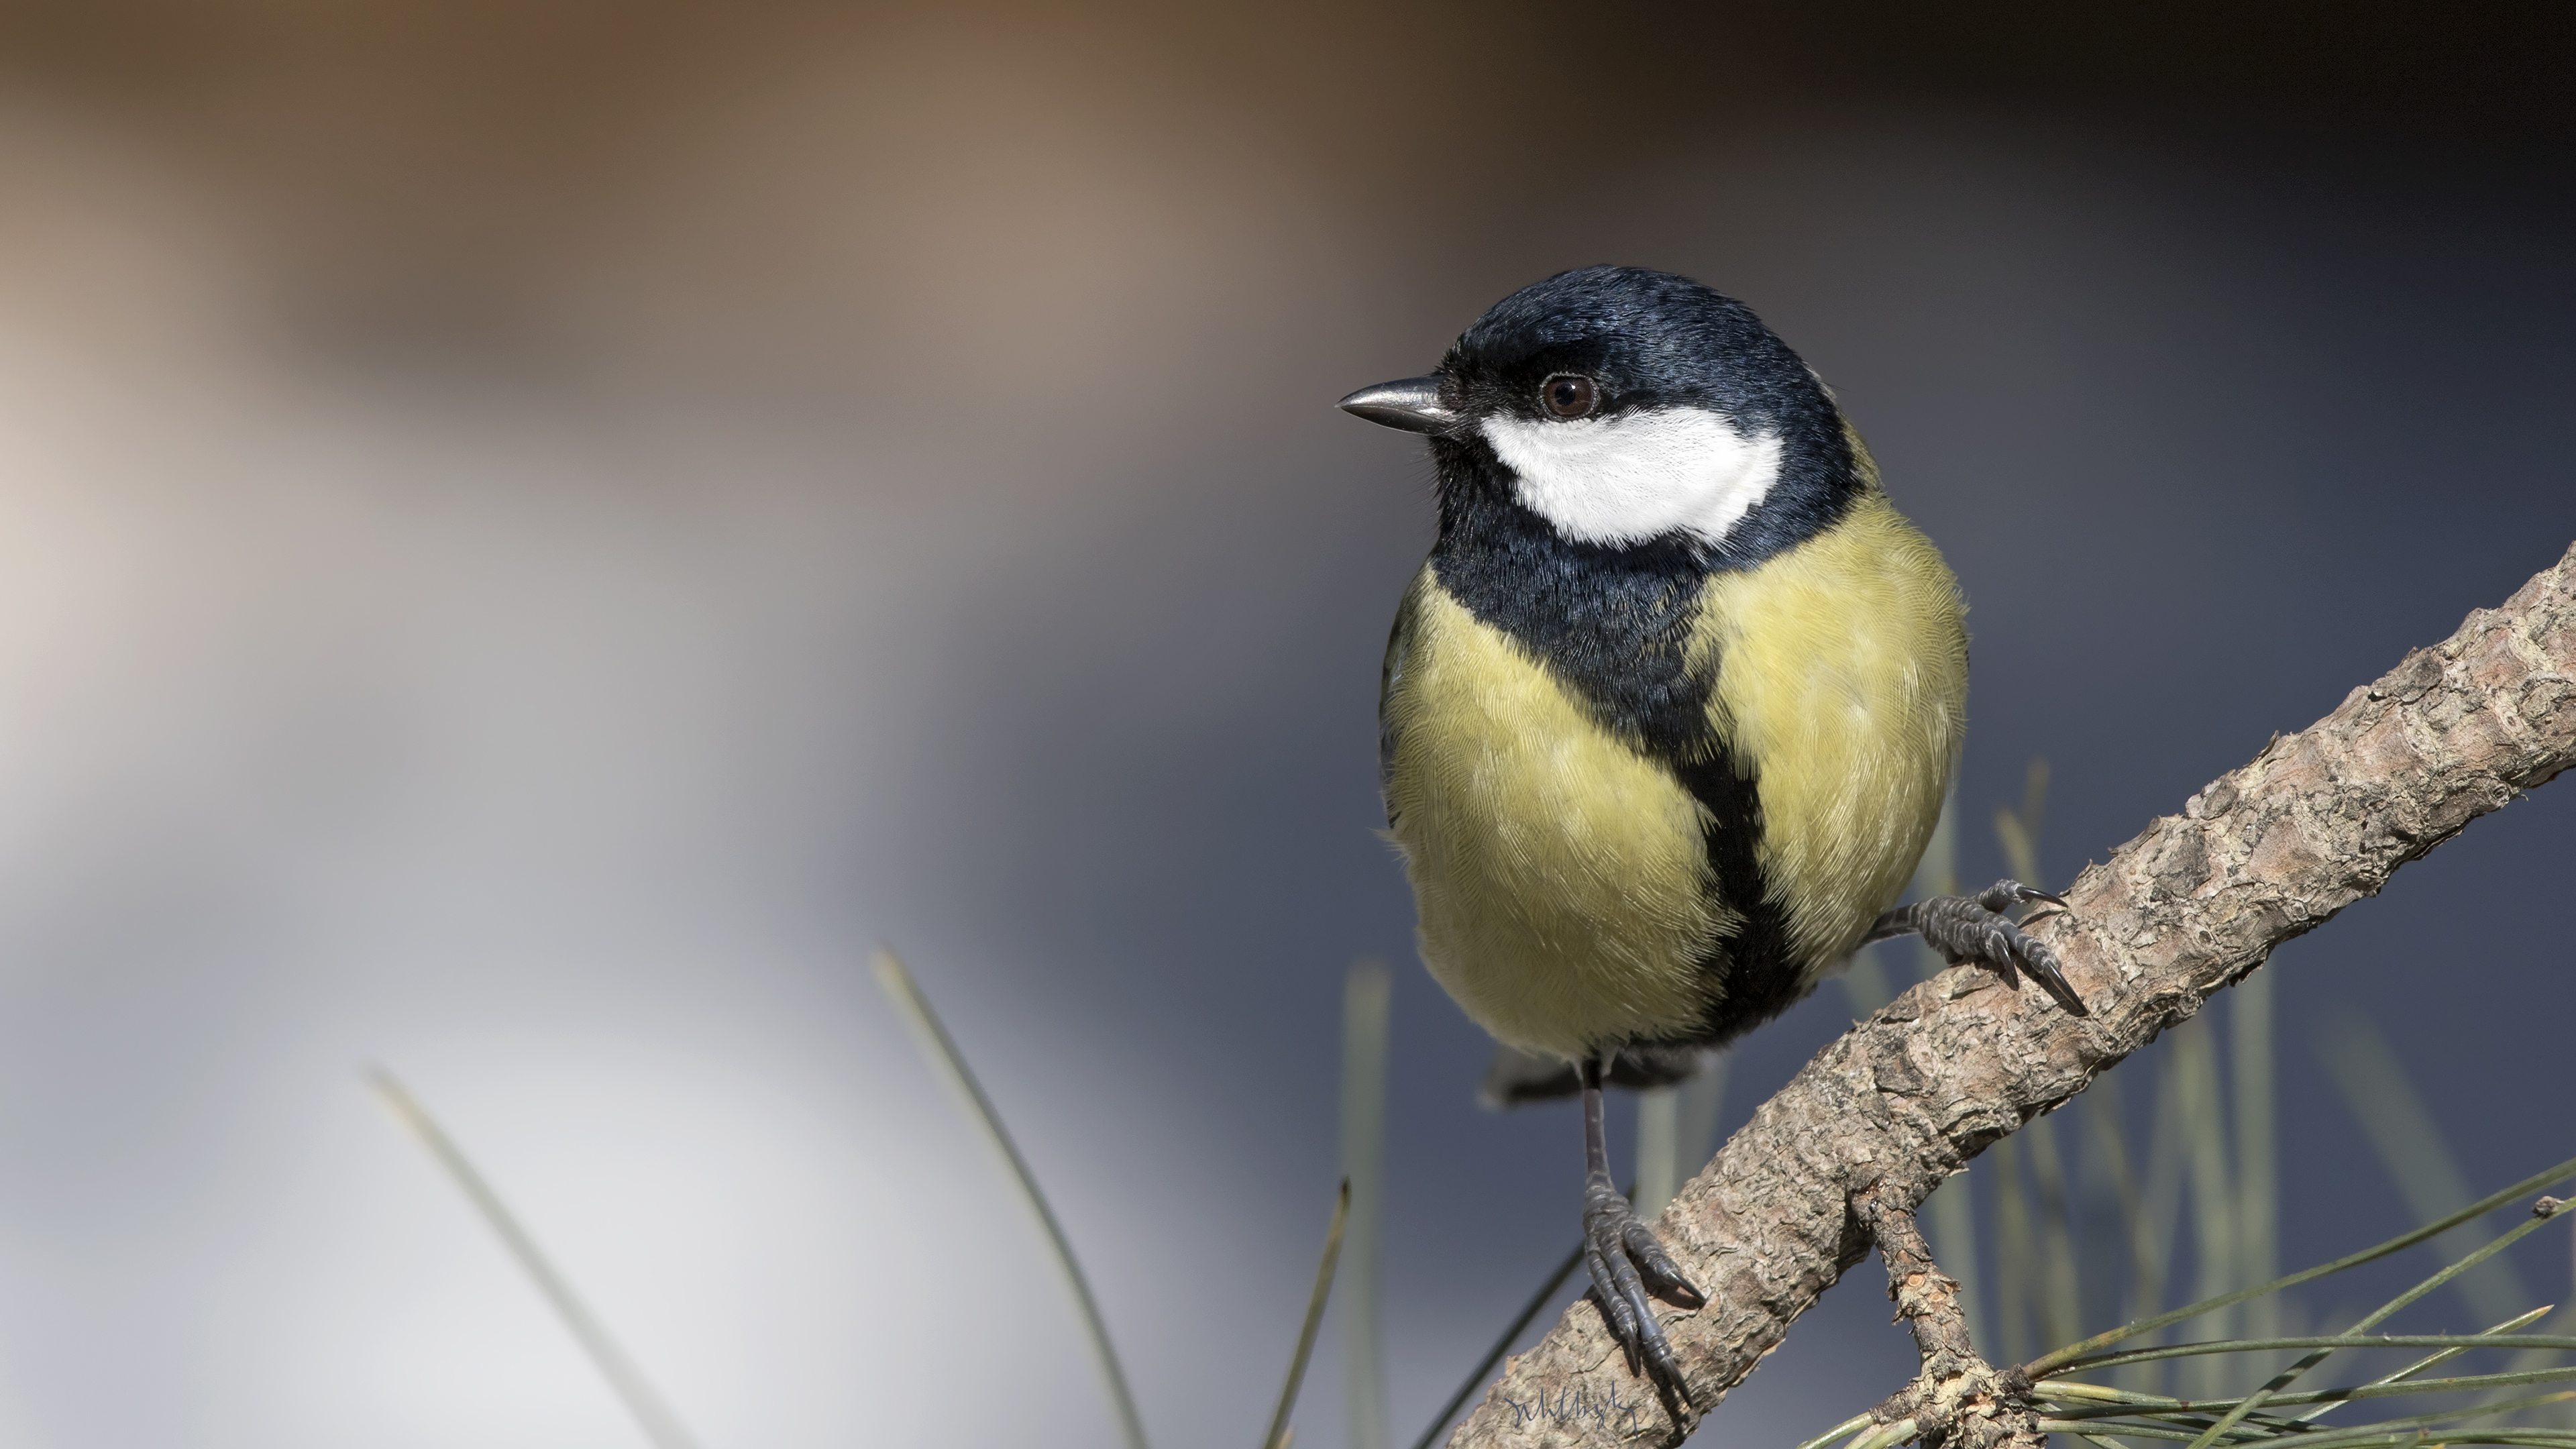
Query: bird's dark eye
pixel 1568 395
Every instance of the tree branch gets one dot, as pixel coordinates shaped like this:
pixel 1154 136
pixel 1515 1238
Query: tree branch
pixel 2270 851
pixel 1959 1401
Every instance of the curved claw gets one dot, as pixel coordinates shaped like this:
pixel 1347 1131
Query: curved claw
pixel 1975 929
pixel 1616 1245
pixel 2041 962
pixel 1658 1266
pixel 2007 893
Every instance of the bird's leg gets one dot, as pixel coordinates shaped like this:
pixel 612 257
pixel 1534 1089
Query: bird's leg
pixel 1974 930
pixel 1617 1246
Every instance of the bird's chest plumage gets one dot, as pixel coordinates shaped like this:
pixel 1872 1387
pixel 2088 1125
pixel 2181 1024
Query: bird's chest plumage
pixel 1656 804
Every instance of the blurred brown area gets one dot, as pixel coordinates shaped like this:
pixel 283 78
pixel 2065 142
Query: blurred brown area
pixel 531 534
pixel 451 177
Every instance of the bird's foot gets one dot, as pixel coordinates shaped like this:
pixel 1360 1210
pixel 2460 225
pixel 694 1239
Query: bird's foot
pixel 1625 1259
pixel 1973 930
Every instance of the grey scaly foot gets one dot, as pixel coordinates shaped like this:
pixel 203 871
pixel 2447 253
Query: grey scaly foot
pixel 1973 930
pixel 1625 1259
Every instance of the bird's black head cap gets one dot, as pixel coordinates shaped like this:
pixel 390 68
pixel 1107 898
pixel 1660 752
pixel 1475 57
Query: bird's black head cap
pixel 1640 341
pixel 1650 339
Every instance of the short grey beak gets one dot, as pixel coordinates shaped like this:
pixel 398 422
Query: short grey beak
pixel 1411 403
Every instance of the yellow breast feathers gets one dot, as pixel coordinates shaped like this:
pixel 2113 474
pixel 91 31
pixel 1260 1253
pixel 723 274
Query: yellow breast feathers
pixel 1842 679
pixel 1566 899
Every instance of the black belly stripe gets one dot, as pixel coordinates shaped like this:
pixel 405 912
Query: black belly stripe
pixel 1753 975
pixel 1615 625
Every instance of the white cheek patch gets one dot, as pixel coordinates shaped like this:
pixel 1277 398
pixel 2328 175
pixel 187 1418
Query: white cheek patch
pixel 1636 476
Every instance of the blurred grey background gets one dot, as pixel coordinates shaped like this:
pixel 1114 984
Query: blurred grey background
pixel 532 534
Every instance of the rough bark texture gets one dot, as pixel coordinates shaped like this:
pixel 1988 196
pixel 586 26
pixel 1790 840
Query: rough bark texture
pixel 2317 821
pixel 1959 1401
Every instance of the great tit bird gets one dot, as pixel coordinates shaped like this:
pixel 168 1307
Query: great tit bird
pixel 1668 714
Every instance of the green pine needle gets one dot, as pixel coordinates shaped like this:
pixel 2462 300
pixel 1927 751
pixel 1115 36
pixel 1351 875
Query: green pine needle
pixel 2061 1358
pixel 1278 1436
pixel 942 1050
pixel 653 1414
